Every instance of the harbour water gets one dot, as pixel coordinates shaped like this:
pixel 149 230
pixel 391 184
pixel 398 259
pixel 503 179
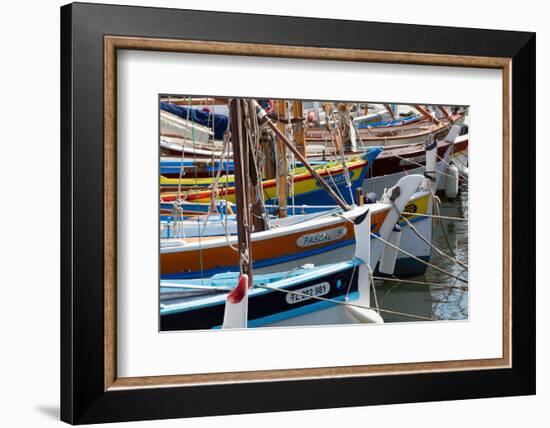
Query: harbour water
pixel 438 303
pixel 420 302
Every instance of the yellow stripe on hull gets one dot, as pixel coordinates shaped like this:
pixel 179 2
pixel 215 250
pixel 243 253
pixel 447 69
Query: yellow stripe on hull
pixel 303 183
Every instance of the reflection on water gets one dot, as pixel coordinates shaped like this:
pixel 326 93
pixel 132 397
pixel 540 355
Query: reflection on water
pixel 439 303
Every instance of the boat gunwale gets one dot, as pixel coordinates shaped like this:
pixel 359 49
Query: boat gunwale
pixel 329 220
pixel 317 272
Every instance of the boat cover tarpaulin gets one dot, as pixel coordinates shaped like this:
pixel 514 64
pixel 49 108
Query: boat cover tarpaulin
pixel 401 120
pixel 199 116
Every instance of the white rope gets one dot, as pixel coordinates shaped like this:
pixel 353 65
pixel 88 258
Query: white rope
pixel 227 234
pixel 422 166
pixel 201 261
pixel 417 233
pixel 431 284
pixel 443 217
pixel 334 183
pixel 419 259
pixel 371 281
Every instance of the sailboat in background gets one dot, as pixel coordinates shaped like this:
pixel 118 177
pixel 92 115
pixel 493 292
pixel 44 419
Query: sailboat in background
pixel 306 188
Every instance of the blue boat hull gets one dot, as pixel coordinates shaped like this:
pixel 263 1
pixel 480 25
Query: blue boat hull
pixel 264 306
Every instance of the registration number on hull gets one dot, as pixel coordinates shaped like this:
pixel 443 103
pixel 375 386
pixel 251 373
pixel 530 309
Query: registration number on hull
pixel 307 293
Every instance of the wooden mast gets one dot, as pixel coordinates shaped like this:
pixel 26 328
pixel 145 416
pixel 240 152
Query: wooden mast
pixel 282 167
pixel 267 144
pixel 263 116
pixel 444 111
pixel 366 110
pixel 328 109
pixel 240 160
pixel 259 217
pixel 300 135
pixel 344 127
pixel 426 114
pixel 390 111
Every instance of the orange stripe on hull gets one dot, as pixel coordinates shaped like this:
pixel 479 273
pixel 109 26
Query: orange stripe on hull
pixel 287 245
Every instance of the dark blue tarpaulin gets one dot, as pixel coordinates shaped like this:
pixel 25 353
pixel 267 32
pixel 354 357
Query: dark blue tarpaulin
pixel 198 116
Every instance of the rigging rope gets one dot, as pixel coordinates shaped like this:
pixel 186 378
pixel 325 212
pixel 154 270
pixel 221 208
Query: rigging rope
pixel 448 164
pixel 418 259
pixel 338 302
pixel 417 233
pixel 439 217
pixel 409 281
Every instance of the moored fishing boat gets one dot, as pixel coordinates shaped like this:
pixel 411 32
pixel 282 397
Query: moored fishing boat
pixel 394 163
pixel 176 145
pixel 215 302
pixel 405 158
pixel 306 188
pixel 174 126
pixel 177 124
pixel 407 133
pixel 322 239
pixel 222 224
pixel 195 176
pixel 402 120
pixel 202 115
pixel 173 166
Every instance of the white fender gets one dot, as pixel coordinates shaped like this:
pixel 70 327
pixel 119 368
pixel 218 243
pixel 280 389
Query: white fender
pixel 236 305
pixel 451 182
pixel 364 315
pixel 389 254
pixel 462 169
pixel 362 226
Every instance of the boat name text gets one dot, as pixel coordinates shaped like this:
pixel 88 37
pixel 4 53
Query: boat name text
pixel 321 237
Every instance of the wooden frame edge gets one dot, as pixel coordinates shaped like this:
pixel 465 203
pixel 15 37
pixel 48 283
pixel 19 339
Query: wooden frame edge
pixel 507 208
pixel 301 52
pixel 112 43
pixel 109 198
pixel 302 374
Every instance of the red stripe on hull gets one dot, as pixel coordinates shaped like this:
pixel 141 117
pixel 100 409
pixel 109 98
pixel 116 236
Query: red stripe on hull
pixel 387 163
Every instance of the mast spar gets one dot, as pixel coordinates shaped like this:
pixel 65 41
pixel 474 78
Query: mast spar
pixel 263 117
pixel 282 165
pixel 259 216
pixel 242 188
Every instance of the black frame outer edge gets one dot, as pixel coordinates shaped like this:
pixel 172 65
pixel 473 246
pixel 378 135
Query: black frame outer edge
pixel 66 306
pixel 82 397
pixel 524 219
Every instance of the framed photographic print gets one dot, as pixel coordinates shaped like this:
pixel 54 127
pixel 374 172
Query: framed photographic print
pixel 265 213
